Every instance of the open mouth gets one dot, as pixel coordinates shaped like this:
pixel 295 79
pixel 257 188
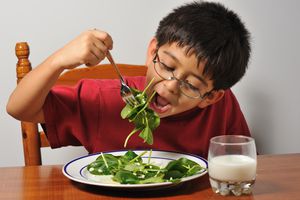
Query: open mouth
pixel 160 104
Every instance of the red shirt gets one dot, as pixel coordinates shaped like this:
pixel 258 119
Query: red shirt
pixel 89 115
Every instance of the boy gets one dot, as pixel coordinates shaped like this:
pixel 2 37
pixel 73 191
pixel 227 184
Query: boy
pixel 199 51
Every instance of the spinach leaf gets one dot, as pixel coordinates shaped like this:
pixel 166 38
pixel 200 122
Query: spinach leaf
pixel 180 168
pixel 130 155
pixel 125 177
pixel 104 165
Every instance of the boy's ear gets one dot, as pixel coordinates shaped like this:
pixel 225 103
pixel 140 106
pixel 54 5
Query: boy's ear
pixel 152 48
pixel 212 98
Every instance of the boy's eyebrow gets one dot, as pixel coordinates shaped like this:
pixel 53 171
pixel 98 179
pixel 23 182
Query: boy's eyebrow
pixel 172 56
pixel 178 61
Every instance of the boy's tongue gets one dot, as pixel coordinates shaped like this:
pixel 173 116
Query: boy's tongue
pixel 161 101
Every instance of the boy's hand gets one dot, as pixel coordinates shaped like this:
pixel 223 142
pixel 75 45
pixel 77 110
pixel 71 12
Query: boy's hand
pixel 89 48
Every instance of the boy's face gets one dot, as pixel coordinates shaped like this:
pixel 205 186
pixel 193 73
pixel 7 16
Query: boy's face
pixel 169 99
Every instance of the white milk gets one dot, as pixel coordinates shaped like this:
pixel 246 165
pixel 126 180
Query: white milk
pixel 232 168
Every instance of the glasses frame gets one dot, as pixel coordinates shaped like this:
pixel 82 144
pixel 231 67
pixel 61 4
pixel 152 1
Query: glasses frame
pixel 156 60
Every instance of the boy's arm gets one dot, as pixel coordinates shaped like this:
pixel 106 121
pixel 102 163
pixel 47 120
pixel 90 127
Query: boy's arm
pixel 27 100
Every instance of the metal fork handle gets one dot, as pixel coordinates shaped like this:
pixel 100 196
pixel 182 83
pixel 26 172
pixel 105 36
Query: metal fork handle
pixel 112 62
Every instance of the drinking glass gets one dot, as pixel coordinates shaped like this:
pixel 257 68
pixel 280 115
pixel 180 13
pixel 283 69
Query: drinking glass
pixel 232 164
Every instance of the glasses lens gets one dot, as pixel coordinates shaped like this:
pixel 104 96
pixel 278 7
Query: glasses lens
pixel 162 70
pixel 187 89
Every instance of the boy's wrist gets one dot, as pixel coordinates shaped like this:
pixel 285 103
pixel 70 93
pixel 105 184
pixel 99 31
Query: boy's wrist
pixel 55 62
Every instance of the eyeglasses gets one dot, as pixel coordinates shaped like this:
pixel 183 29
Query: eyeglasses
pixel 190 87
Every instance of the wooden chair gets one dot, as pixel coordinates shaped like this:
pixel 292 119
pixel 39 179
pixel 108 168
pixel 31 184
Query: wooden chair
pixel 33 138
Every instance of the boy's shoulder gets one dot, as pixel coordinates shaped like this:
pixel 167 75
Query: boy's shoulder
pixel 229 96
pixel 134 81
pixel 228 103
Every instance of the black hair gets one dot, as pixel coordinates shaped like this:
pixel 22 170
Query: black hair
pixel 215 34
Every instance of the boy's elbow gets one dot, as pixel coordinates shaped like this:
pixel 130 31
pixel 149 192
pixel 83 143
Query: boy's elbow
pixel 24 114
pixel 14 110
pixel 10 109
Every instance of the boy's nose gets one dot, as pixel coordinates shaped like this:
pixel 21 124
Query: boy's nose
pixel 172 85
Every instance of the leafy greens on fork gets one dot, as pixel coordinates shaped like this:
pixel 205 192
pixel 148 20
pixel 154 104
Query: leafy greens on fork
pixel 144 118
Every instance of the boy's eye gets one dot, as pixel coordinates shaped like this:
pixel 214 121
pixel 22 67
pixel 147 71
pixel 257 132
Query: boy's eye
pixel 192 87
pixel 166 67
pixel 194 84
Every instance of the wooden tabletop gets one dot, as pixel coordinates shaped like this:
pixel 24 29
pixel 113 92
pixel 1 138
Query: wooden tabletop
pixel 278 177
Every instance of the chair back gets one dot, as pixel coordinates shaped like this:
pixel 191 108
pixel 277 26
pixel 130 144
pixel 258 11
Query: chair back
pixel 35 139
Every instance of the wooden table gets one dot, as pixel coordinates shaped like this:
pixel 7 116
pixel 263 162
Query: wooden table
pixel 278 177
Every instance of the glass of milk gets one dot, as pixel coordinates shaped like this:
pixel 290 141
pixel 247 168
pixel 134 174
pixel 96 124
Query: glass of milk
pixel 232 164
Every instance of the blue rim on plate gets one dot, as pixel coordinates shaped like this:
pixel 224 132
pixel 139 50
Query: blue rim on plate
pixel 76 169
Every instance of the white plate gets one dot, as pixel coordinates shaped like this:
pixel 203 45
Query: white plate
pixel 76 169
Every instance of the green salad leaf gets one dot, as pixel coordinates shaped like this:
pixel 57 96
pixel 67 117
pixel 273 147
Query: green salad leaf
pixel 130 169
pixel 144 118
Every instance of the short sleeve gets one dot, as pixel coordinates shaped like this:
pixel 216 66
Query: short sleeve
pixel 71 114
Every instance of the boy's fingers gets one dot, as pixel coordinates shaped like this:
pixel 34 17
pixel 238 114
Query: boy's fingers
pixel 100 46
pixel 98 52
pixel 93 59
pixel 99 43
pixel 104 37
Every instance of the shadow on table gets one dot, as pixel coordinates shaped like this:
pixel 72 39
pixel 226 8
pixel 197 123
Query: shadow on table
pixel 189 187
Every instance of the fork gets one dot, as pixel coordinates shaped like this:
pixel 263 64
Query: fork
pixel 126 92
